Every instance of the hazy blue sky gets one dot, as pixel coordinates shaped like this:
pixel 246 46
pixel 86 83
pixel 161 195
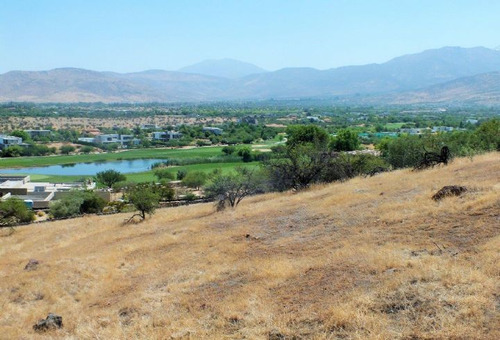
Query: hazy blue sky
pixel 126 35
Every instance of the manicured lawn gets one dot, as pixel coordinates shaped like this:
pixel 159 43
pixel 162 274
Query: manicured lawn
pixel 393 126
pixel 21 162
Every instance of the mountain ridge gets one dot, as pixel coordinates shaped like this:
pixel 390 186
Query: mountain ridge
pixel 401 76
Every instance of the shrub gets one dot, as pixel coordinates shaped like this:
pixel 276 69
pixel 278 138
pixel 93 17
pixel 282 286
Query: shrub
pixel 66 207
pixel 13 211
pixel 228 150
pixel 195 179
pixel 246 154
pixel 86 149
pixel 66 149
pixel 163 174
pixel 181 174
pixel 77 203
pixel 92 203
pixel 190 196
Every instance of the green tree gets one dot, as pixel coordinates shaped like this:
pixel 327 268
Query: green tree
pixel 246 154
pixel 488 135
pixel 230 189
pixel 145 201
pixel 163 174
pixel 301 162
pixel 228 150
pixel 301 166
pixel 307 134
pixel 110 177
pixel 346 140
pixel 22 134
pixel 12 151
pixel 195 179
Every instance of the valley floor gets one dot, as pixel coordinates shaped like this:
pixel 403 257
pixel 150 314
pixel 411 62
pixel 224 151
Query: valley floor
pixel 371 258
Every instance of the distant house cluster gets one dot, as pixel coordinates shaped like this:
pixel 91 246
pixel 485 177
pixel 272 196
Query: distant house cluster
pixel 419 131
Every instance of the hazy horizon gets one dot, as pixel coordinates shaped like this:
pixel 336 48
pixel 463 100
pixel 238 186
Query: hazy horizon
pixel 130 36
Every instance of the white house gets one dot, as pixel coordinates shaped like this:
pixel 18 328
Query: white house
pixel 6 141
pixel 214 130
pixel 107 139
pixel 166 135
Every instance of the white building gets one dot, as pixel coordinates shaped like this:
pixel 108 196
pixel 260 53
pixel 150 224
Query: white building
pixel 6 141
pixel 107 139
pixel 442 129
pixel 166 135
pixel 214 130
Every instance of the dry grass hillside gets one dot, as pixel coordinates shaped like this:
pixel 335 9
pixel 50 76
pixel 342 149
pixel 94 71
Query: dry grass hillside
pixel 372 258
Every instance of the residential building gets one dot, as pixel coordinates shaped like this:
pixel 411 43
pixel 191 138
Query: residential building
pixel 149 126
pixel 128 140
pixel 414 131
pixel 87 139
pixel 36 195
pixel 6 141
pixel 107 139
pixel 442 129
pixel 214 130
pixel 165 136
pixel 38 133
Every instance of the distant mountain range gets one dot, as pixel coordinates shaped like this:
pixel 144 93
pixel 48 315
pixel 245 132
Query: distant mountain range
pixel 224 68
pixel 449 74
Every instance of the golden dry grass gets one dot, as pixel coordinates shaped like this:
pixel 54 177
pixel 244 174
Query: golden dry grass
pixel 371 258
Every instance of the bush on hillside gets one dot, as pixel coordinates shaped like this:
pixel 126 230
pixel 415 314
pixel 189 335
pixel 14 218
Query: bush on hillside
pixel 77 203
pixel 14 211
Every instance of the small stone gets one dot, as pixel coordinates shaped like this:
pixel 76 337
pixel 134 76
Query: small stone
pixel 449 190
pixel 275 335
pixel 32 265
pixel 52 321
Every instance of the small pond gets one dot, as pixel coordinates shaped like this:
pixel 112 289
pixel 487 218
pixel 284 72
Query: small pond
pixel 88 169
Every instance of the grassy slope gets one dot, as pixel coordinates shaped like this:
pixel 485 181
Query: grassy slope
pixel 370 258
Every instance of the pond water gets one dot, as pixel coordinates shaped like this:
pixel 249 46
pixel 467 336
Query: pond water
pixel 88 169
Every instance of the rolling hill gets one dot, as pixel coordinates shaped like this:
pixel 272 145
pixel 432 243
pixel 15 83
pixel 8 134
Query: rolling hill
pixel 370 258
pixel 405 78
pixel 481 89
